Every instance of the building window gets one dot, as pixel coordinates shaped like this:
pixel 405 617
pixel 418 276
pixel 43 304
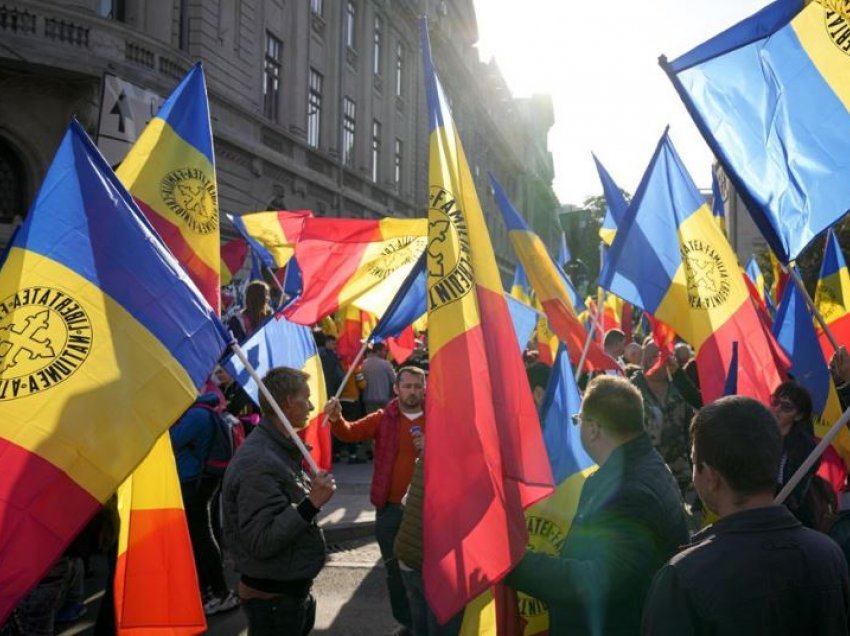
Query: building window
pixel 112 9
pixel 399 69
pixel 348 121
pixel 314 108
pixel 271 83
pixel 397 162
pixel 12 184
pixel 317 7
pixel 376 149
pixel 377 45
pixel 350 21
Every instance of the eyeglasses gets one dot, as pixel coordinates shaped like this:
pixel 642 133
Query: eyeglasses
pixel 578 418
pixel 784 405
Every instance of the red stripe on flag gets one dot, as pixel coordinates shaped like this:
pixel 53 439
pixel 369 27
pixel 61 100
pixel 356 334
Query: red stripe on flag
pixel 569 329
pixel 318 438
pixel 158 542
pixel 204 277
pixel 762 365
pixel 43 511
pixel 486 458
pixel 840 328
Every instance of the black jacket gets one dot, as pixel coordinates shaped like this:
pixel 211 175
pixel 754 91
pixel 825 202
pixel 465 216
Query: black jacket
pixel 629 521
pixel 263 528
pixel 753 572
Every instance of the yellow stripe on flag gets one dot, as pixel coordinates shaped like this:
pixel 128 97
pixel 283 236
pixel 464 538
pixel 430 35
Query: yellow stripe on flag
pixel 143 384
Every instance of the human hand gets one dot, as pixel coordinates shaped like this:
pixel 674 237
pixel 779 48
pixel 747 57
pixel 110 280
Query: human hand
pixel 418 439
pixel 840 364
pixel 333 409
pixel 322 488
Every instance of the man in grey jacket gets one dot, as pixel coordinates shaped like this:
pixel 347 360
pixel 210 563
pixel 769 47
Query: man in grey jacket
pixel 270 506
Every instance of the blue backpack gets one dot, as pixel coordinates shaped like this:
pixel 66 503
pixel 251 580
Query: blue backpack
pixel 228 435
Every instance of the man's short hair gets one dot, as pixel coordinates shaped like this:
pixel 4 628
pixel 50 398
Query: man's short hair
pixel 320 337
pixel 411 370
pixel 282 382
pixel 538 375
pixel 739 438
pixel 329 337
pixel 613 338
pixel 615 404
pixel 377 347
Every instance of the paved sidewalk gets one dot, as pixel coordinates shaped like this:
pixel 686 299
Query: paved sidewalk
pixel 349 514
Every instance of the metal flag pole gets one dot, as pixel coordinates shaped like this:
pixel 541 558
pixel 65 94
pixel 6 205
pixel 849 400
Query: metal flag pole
pixel 813 457
pixel 275 406
pixel 792 272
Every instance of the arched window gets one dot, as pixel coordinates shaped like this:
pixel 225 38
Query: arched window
pixel 12 184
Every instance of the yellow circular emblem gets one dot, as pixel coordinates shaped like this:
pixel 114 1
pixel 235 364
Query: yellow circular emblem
pixel 837 22
pixel 191 195
pixel 707 276
pixel 450 275
pixel 45 337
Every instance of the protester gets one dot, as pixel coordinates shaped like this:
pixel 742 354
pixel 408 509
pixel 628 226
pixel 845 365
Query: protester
pixel 352 409
pixel 666 415
pixel 192 438
pixel 757 570
pixel 257 309
pixel 408 551
pixel 615 343
pixel 629 521
pixel 791 405
pixel 237 400
pixel 538 379
pixel 395 456
pixel 380 378
pixel 270 508
pixel 331 364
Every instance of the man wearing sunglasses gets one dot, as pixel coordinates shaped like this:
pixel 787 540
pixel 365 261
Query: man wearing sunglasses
pixel 629 521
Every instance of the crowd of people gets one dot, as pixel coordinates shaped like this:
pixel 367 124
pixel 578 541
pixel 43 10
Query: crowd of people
pixel 676 532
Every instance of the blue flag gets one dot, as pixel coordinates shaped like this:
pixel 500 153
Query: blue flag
pixel 770 97
pixel 731 387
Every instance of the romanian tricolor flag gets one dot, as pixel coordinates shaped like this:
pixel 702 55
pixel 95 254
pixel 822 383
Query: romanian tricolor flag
pixel 616 204
pixel 280 343
pixel 170 171
pixel 771 97
pixel 485 458
pixel 156 582
pixel 233 256
pixel 832 295
pixel 754 273
pixel 795 332
pixel 520 289
pixel 345 261
pixel 103 341
pixel 549 521
pixel 780 278
pixel 551 287
pixel 273 235
pixel 671 259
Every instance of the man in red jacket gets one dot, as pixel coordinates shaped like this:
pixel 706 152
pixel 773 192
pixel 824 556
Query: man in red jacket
pixel 395 457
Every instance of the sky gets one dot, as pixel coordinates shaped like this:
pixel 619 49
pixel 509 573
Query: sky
pixel 599 62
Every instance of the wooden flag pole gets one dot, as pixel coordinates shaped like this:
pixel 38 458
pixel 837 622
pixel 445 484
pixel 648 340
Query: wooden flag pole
pixel 792 272
pixel 587 342
pixel 813 457
pixel 275 406
pixel 348 375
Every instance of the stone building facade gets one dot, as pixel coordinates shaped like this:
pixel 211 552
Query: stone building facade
pixel 315 104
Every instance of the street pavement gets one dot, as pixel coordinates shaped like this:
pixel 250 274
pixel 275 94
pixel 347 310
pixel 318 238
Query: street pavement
pixel 351 590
